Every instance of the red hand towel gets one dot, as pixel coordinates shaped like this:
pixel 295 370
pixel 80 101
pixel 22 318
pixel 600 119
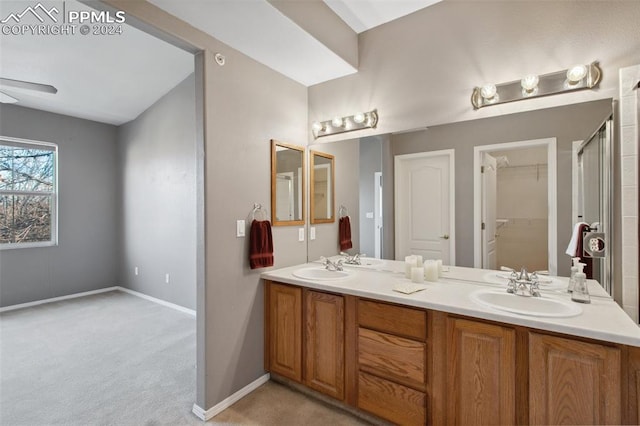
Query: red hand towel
pixel 260 244
pixel 344 233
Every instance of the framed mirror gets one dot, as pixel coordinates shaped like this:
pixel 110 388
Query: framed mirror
pixel 322 187
pixel 287 184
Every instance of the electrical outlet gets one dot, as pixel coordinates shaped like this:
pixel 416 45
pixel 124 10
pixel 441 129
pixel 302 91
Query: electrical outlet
pixel 240 228
pixel 166 278
pixel 300 234
pixel 312 233
pixel 135 270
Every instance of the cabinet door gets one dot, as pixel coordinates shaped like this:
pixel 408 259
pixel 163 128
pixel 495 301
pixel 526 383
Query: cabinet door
pixel 573 382
pixel 633 387
pixel 324 343
pixel 285 331
pixel 481 368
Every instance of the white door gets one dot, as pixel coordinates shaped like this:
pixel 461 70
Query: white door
pixel 284 196
pixel 377 212
pixel 489 214
pixel 424 200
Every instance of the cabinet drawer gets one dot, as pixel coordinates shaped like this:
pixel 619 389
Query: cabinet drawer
pixel 396 403
pixel 393 357
pixel 393 319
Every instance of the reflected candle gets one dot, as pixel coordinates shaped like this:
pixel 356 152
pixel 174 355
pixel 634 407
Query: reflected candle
pixel 439 263
pixel 430 270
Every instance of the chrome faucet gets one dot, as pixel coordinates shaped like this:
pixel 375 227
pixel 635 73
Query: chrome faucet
pixel 331 266
pixel 522 283
pixel 352 260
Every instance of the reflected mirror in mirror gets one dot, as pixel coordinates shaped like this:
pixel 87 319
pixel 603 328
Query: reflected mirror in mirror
pixel 287 184
pixel 375 158
pixel 322 187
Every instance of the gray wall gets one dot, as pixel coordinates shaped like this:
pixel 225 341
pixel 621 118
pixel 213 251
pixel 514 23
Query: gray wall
pixel 246 105
pixel 157 159
pixel 566 124
pixel 347 157
pixel 370 163
pixel 86 257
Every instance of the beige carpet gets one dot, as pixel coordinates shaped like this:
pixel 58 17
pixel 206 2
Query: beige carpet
pixel 116 359
pixel 275 404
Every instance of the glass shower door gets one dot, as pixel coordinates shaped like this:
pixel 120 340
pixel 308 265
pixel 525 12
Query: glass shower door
pixel 594 195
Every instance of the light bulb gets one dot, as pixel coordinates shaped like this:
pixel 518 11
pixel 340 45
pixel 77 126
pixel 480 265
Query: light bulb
pixel 337 122
pixel 317 126
pixel 488 91
pixel 358 118
pixel 576 73
pixel 529 82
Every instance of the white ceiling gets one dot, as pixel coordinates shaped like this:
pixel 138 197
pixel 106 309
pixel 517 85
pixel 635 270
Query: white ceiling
pixel 113 79
pixel 363 15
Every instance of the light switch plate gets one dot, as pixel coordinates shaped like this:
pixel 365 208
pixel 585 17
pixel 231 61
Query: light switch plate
pixel 312 233
pixel 240 227
pixel 369 215
pixel 300 234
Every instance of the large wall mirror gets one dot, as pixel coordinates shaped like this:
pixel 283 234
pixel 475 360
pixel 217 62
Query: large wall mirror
pixel 287 184
pixel 322 187
pixel 375 215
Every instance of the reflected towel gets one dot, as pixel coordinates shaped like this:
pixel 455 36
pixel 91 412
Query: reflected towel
pixel 572 248
pixel 344 233
pixel 260 244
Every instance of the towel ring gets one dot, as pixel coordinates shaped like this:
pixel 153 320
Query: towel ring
pixel 257 208
pixel 343 211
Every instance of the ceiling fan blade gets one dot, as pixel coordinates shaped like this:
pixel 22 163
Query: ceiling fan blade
pixel 6 99
pixel 28 85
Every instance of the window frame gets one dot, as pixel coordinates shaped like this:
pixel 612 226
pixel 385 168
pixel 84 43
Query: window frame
pixel 45 146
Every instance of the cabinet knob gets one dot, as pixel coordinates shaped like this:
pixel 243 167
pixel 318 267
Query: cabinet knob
pixel 445 236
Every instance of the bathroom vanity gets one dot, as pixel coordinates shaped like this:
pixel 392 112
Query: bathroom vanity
pixel 441 356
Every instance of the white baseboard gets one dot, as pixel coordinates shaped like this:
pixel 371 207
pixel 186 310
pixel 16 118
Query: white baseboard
pixel 56 299
pixel 206 415
pixel 159 301
pixel 101 290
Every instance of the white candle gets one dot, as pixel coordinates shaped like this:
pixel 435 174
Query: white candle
pixel 417 275
pixel 419 260
pixel 430 270
pixel 409 262
pixel 439 263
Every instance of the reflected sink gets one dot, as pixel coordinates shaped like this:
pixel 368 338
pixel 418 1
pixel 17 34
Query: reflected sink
pixel 367 261
pixel 532 306
pixel 320 274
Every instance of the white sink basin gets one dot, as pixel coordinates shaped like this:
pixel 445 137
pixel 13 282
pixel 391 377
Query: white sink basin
pixel 320 274
pixel 544 306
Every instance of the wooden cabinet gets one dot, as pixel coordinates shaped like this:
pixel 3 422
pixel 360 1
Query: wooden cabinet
pixel 285 330
pixel 392 362
pixel 573 382
pixel 413 366
pixel 481 382
pixel 633 387
pixel 324 343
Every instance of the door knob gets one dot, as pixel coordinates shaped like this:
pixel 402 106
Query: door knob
pixel 445 236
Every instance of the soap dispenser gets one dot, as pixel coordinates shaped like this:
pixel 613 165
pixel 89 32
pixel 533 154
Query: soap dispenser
pixel 574 269
pixel 580 291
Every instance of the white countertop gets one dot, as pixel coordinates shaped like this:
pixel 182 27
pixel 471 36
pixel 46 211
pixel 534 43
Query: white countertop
pixel 602 319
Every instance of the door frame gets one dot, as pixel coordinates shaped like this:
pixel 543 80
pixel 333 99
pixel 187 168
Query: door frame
pixel 450 153
pixel 552 199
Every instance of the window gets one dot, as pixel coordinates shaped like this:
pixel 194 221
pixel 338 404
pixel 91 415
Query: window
pixel 28 193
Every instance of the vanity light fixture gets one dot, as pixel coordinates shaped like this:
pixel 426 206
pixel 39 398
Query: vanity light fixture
pixel 577 77
pixel 358 121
